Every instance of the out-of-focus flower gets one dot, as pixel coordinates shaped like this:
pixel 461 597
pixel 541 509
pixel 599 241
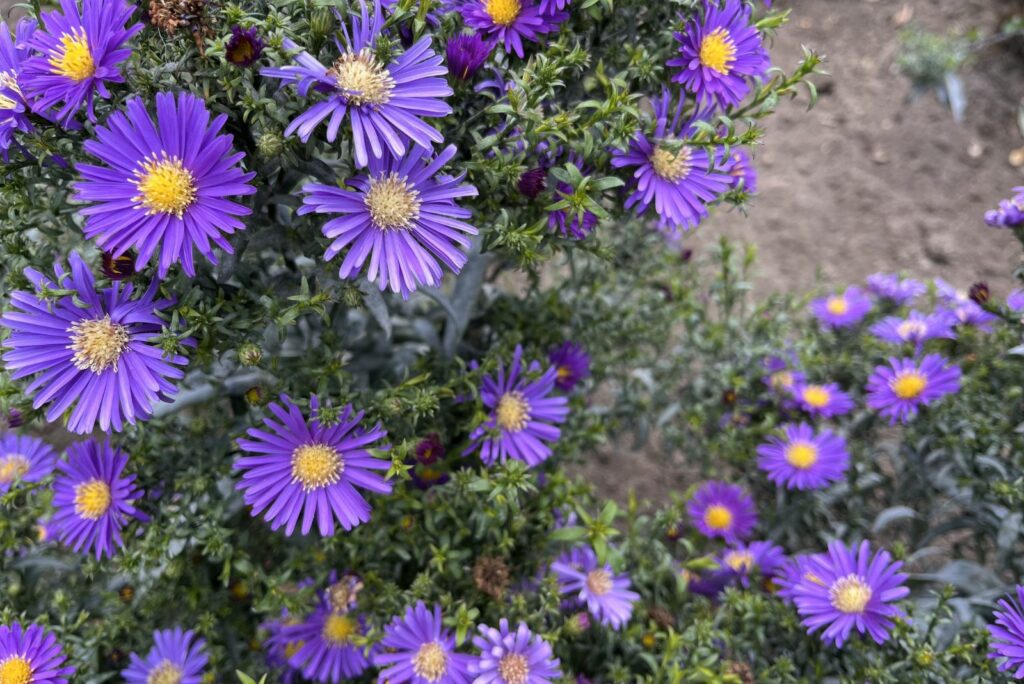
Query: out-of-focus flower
pixel 720 509
pixel 803 459
pixel 899 389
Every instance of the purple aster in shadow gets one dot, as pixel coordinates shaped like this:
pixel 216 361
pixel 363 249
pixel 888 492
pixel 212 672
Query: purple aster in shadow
pixel 31 655
pixel 1015 301
pixel 76 54
pixel 782 376
pixel 164 185
pixel 719 53
pixel 794 570
pixel 327 652
pixel 279 648
pixel 418 649
pixel 850 589
pixel 720 509
pixel 607 595
pixel 177 656
pixel 96 351
pixel 678 179
pixel 513 657
pixel 244 47
pixel 842 310
pixel 466 53
pixel 523 416
pixel 966 311
pixel 741 167
pixel 897 390
pixel 761 558
pixel 1007 633
pixel 93 498
pixel 384 102
pixel 511 22
pixel 533 181
pixel 430 449
pixel 309 470
pixel 571 363
pixel 13 108
pixel 1010 212
pixel 897 290
pixel 401 216
pixel 803 459
pixel 916 328
pixel 24 458
pixel 822 400
pixel 571 223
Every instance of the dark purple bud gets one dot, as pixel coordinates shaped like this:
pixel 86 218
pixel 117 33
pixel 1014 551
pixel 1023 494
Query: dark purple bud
pixel 244 47
pixel 533 182
pixel 118 267
pixel 466 54
pixel 979 292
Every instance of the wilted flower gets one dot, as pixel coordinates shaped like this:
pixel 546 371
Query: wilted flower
pixel 118 267
pixel 491 575
pixel 177 656
pixel 897 390
pixel 964 309
pixel 244 46
pixel 532 182
pixel 430 449
pixel 720 509
pixel 979 293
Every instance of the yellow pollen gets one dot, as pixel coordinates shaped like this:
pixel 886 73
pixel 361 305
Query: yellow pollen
pixel 12 466
pixel 165 185
pixel 599 582
pixel 393 203
pixel 362 78
pixel 908 385
pixel 837 306
pixel 740 561
pixel 339 629
pixel 850 594
pixel 718 51
pixel 513 412
pixel 563 373
pixel 718 517
pixel 801 455
pixel 816 396
pixel 8 81
pixel 92 499
pixel 514 669
pixel 292 647
pixel 15 670
pixel 671 166
pixel 165 673
pixel 316 465
pixel 98 343
pixel 911 329
pixel 503 12
pixel 430 662
pixel 73 58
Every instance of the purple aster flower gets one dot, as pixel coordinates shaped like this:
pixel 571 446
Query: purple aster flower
pixel 430 450
pixel 93 498
pixel 720 509
pixel 279 648
pixel 24 458
pixel 792 572
pixel 710 584
pixel 244 46
pixel 177 656
pixel 1010 212
pixel 606 595
pixel 842 310
pixel 719 53
pixel 569 222
pixel 401 216
pixel 802 459
pixel 550 7
pixel 384 101
pixel 741 167
pixel 916 328
pixel 425 477
pixel 966 311
pixel 511 21
pixel 1015 301
pixel 678 180
pixel 327 652
pixel 513 657
pixel 13 108
pixel 421 651
pixel 826 400
pixel 45 530
pixel 850 588
pixel 164 185
pixel 523 414
pixel 309 469
pixel 76 55
pixel 95 350
pixel 466 53
pixel 897 390
pixel 1008 634
pixel 533 181
pixel 572 365
pixel 781 377
pixel 899 291
pixel 31 656
pixel 760 557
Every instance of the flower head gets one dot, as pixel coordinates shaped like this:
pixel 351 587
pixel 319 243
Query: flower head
pixel 511 21
pixel 430 449
pixel 420 650
pixel 24 458
pixel 824 400
pixel 513 657
pixel 607 595
pixel 803 459
pixel 897 390
pixel 916 328
pixel 1009 213
pixel 311 470
pixel 466 53
pixel 401 216
pixel 572 365
pixel 533 181
pixel 794 570
pixel 31 656
pixel 1008 634
pixel 94 350
pixel 279 648
pixel 741 167
pixel 781 374
pixel 963 308
pixel 244 47
pixel 325 649
pixel 719 509
pixel 760 557
pixel 14 110
pixel 842 310
pixel 177 657
pixel 897 290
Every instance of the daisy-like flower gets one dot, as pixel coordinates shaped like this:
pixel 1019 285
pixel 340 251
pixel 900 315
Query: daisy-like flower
pixel 899 389
pixel 164 185
pixel 1009 213
pixel 383 101
pixel 420 650
pixel 513 657
pixel 76 54
pixel 897 290
pixel 572 365
pixel 31 656
pixel 607 595
pixel 93 498
pixel 679 180
pixel 94 350
pixel 466 53
pixel 781 377
pixel 310 470
pixel 430 449
pixel 511 21
pixel 244 47
pixel 24 458
pixel 916 328
pixel 761 557
pixel 1008 634
pixel 849 589
pixel 401 216
pixel 803 459
pixel 326 652
pixel 741 167
pixel 842 310
pixel 720 509
pixel 279 648
pixel 964 309
pixel 792 572
pixel 177 657
pixel 719 53
pixel 13 108
pixel 824 400
pixel 523 414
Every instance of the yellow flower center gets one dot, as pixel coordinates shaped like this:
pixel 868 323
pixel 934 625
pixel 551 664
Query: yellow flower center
pixel 816 396
pixel 339 630
pixel 563 373
pixel 599 582
pixel 12 466
pixel 718 517
pixel 514 669
pixel 9 81
pixel 165 186
pixel 393 203
pixel 740 561
pixel 362 78
pixel 503 12
pixel 908 385
pixel 15 670
pixel 850 594
pixel 513 412
pixel 430 662
pixel 801 455
pixel 165 673
pixel 837 306
pixel 73 58
pixel 92 499
pixel 910 329
pixel 671 166
pixel 316 465
pixel 98 343
pixel 718 51
pixel 292 647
